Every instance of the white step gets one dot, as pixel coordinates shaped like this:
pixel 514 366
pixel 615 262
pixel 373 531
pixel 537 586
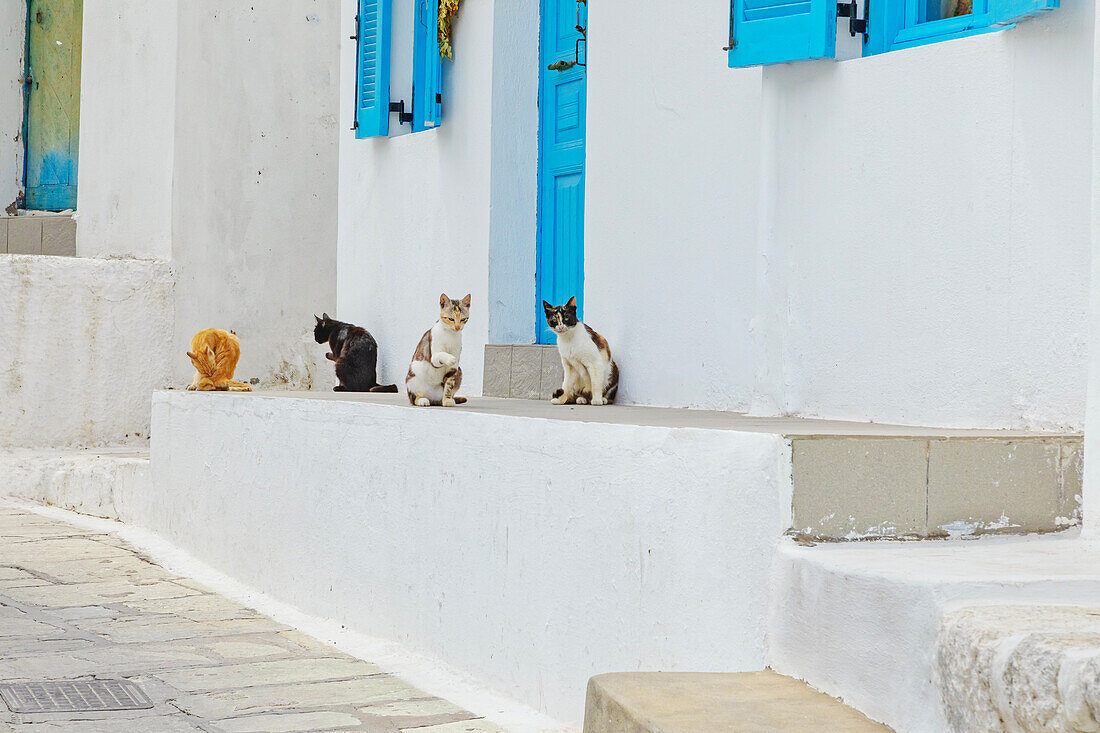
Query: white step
pixel 865 622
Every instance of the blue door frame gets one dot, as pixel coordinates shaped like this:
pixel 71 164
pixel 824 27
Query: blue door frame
pixel 562 102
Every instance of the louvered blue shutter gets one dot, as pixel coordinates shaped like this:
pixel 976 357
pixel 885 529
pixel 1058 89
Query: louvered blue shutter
pixel 1007 12
pixel 372 81
pixel 777 31
pixel 427 68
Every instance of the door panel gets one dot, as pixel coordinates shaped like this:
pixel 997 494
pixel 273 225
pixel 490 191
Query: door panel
pixel 562 101
pixel 53 103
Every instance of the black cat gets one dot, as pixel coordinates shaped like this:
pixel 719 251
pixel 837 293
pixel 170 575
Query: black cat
pixel 356 355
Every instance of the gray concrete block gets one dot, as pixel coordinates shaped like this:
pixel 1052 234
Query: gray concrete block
pixel 3 234
pixel 988 485
pixel 1072 474
pixel 551 371
pixel 498 371
pixel 59 236
pixel 25 235
pixel 526 372
pixel 857 487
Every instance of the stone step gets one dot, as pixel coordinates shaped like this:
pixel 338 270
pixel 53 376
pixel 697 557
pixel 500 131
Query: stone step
pixel 747 702
pixel 930 637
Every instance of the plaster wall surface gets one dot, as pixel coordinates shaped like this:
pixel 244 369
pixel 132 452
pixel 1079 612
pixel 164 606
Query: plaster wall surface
pixel 1091 491
pixel 901 238
pixel 441 210
pixel 13 35
pixel 84 348
pixel 127 128
pixel 254 184
pixel 527 572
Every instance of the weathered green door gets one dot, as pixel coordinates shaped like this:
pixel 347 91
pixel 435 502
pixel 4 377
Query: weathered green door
pixel 53 102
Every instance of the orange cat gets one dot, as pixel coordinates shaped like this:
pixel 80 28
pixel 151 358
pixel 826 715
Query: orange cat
pixel 214 353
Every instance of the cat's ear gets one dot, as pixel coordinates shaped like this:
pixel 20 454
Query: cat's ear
pixel 465 301
pixel 318 319
pixel 324 317
pixel 547 307
pixel 193 356
pixel 572 302
pixel 443 300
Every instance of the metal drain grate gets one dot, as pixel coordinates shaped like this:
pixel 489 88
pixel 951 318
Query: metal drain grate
pixel 74 697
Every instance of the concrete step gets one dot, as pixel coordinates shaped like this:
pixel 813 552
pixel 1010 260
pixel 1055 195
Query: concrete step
pixel 858 480
pixel 102 482
pixel 749 702
pixel 945 636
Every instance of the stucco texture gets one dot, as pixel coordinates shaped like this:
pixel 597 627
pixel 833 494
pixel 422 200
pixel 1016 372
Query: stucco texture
pixel 85 344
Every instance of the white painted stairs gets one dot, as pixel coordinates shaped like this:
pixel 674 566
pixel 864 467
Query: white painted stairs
pixel 930 636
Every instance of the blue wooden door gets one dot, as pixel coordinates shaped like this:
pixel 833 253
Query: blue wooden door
pixel 53 103
pixel 562 92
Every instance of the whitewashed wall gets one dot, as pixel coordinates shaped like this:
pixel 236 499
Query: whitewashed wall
pixel 438 211
pixel 254 183
pixel 127 128
pixel 13 31
pixel 1090 508
pixel 84 348
pixel 913 245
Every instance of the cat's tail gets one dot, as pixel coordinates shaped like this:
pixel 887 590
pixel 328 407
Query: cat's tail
pixel 460 400
pixel 384 388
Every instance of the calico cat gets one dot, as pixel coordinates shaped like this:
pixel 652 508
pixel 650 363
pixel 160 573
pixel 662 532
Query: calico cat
pixel 215 354
pixel 590 373
pixel 434 375
pixel 356 355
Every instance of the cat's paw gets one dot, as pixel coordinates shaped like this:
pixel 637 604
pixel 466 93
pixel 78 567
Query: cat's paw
pixel 582 400
pixel 423 402
pixel 447 360
pixel 554 401
pixel 190 388
pixel 599 401
pixel 448 402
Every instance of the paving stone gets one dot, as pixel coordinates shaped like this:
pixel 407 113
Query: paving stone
pixel 468 726
pixel 280 672
pixel 26 627
pixel 230 703
pixel 128 630
pixel 195 608
pixel 289 722
pixel 498 371
pixel 856 487
pixel 526 382
pixel 234 650
pixel 97 593
pixel 991 485
pixel 99 609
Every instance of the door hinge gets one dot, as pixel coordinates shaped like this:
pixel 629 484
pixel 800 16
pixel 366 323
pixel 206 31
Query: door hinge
pixel 856 24
pixel 733 41
pixel 403 117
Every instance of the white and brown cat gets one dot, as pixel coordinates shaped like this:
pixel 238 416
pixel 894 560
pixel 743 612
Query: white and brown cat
pixel 434 375
pixel 591 376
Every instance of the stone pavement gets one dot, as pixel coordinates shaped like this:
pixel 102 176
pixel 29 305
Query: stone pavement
pixel 75 604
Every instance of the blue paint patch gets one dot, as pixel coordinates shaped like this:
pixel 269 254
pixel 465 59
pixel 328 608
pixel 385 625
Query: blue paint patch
pixel 51 182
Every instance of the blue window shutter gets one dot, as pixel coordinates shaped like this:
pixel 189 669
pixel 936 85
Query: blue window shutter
pixel 372 79
pixel 1007 12
pixel 427 68
pixel 777 31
